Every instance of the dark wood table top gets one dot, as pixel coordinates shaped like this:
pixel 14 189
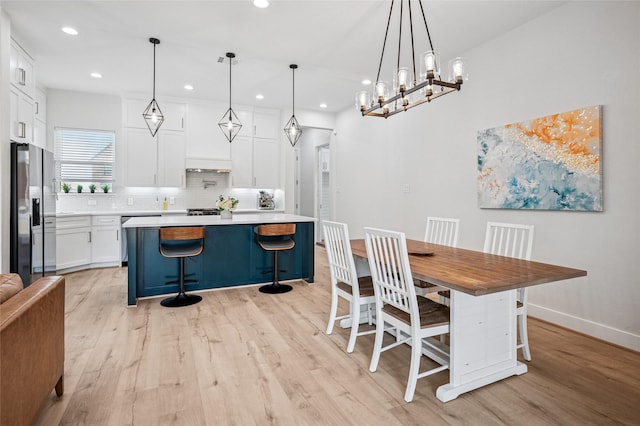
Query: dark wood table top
pixel 475 272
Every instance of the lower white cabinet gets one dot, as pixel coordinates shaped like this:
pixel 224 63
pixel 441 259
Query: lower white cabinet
pixel 73 242
pixel 87 241
pixel 105 240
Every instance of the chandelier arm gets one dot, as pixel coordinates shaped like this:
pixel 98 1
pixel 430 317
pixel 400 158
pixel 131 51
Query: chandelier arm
pixel 400 31
pixel 384 43
pixel 413 51
pixel 424 18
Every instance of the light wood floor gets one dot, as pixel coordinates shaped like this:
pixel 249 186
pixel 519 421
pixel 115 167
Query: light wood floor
pixel 241 357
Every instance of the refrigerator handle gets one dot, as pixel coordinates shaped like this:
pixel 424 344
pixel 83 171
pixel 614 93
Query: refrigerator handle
pixel 35 211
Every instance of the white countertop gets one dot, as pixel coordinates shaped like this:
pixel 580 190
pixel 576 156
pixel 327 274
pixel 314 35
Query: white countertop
pixel 237 219
pixel 134 213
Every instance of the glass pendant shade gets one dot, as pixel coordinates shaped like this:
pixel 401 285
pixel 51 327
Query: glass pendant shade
pixel 230 124
pixel 153 117
pixel 293 130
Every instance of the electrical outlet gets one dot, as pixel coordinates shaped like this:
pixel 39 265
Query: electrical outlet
pixel 130 201
pixel 92 202
pixel 172 200
pixel 405 188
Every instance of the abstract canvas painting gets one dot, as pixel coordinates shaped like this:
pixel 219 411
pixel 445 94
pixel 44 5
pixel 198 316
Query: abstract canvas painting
pixel 548 163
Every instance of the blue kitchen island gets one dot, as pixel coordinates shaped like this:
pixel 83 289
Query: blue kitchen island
pixel 231 256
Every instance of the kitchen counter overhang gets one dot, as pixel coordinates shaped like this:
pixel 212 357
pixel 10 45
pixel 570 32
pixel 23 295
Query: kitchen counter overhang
pixel 231 256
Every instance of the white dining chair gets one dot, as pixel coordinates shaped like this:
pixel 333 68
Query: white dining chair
pixel 443 231
pixel 512 240
pixel 345 283
pixel 398 306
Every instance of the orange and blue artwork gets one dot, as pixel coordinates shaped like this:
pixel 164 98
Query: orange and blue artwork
pixel 548 163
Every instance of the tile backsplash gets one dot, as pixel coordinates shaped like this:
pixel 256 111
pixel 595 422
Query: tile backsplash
pixel 201 191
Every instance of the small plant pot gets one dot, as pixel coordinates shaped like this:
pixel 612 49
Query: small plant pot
pixel 225 214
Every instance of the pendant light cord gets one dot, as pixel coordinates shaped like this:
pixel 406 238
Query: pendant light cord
pixel 154 70
pixel 230 59
pixel 384 43
pixel 293 74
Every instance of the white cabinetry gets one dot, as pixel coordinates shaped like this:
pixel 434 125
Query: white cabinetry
pixel 204 138
pixel 173 113
pixel 105 240
pixel 159 160
pixel 73 242
pixel 255 159
pixel 40 120
pixel 154 161
pixel 21 116
pixel 21 70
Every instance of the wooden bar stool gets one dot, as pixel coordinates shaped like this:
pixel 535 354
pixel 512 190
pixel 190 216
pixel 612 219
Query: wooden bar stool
pixel 276 237
pixel 181 242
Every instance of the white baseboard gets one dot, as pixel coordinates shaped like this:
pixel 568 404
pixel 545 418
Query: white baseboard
pixel 590 328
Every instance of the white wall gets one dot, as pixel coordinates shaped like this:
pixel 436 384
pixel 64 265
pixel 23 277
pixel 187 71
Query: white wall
pixel 581 54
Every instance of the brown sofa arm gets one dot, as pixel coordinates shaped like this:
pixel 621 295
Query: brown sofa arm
pixel 31 350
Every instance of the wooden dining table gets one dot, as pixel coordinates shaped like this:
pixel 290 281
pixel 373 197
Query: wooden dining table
pixel 483 328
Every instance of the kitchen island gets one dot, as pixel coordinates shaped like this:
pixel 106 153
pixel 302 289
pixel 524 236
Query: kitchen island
pixel 231 256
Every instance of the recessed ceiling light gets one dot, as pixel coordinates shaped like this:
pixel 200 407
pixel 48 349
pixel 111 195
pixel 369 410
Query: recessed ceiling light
pixel 259 96
pixel 261 3
pixel 96 75
pixel 70 31
pixel 323 105
pixel 188 87
pixel 366 82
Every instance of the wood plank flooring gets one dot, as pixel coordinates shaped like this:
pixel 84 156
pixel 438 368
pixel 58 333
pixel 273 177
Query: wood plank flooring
pixel 241 357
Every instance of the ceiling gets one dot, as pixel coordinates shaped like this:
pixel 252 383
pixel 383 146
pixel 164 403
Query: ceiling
pixel 336 44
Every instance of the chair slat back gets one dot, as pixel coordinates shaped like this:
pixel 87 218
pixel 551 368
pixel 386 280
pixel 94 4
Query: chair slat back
pixel 341 264
pixel 441 230
pixel 508 239
pixel 390 270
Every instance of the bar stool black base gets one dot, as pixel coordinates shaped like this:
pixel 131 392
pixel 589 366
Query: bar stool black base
pixel 181 299
pixel 275 288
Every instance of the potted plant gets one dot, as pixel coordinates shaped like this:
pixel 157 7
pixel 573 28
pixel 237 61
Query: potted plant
pixel 226 206
pixel 92 188
pixel 79 188
pixel 66 187
pixel 105 188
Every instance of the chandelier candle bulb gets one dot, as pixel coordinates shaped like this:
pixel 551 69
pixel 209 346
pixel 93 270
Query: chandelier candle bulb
pixel 381 91
pixel 363 100
pixel 403 77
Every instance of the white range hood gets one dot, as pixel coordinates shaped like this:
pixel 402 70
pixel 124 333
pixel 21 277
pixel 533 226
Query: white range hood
pixel 216 165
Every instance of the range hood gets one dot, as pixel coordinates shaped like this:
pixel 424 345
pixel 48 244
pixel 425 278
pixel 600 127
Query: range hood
pixel 211 165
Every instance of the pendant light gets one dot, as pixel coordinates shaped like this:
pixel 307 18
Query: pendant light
pixel 292 129
pixel 229 123
pixel 152 114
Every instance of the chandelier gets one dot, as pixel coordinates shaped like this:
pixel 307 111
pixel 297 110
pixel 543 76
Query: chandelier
pixel 152 114
pixel 411 87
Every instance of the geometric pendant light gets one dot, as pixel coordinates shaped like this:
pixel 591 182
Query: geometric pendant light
pixel 152 114
pixel 293 129
pixel 229 123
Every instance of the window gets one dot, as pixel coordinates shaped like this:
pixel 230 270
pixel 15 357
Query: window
pixel 85 156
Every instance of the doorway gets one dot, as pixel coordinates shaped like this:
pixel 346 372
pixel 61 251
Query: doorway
pixel 312 172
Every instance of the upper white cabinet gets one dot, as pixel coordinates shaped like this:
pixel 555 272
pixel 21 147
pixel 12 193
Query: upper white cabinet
pixel 159 160
pixel 255 159
pixel 21 116
pixel 205 140
pixel 154 161
pixel 40 119
pixel 265 125
pixel 173 112
pixel 22 70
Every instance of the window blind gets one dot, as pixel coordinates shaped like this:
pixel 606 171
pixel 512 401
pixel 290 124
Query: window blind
pixel 85 155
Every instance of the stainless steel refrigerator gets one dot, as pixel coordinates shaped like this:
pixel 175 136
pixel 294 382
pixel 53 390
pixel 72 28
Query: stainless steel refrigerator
pixel 33 212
